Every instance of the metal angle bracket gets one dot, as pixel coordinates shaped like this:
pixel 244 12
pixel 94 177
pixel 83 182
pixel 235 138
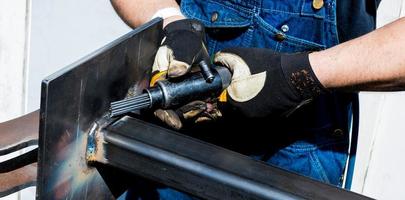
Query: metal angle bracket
pixel 196 167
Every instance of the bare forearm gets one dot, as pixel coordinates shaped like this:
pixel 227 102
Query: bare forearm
pixel 137 12
pixel 375 61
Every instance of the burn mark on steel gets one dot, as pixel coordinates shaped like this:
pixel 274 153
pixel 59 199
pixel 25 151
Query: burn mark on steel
pixel 91 143
pixel 74 172
pixel 95 141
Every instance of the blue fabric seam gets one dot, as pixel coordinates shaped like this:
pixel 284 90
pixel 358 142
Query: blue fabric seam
pixel 307 148
pixel 320 170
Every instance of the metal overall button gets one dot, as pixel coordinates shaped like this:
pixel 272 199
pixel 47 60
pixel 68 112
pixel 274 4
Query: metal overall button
pixel 214 16
pixel 280 36
pixel 285 28
pixel 317 4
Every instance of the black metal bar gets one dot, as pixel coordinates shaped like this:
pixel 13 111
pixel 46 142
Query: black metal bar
pixel 19 161
pixel 18 173
pixel 199 168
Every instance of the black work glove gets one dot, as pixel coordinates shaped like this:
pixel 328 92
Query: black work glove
pixel 266 83
pixel 182 47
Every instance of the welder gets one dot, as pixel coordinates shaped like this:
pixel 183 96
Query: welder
pixel 277 83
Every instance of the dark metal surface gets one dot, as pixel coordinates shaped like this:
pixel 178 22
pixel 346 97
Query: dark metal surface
pixel 19 161
pixel 19 133
pixel 199 168
pixel 73 99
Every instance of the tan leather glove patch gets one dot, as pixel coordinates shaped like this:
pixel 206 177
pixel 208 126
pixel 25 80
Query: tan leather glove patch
pixel 244 85
pixel 165 61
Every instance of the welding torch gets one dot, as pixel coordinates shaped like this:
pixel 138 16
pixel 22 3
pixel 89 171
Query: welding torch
pixel 170 93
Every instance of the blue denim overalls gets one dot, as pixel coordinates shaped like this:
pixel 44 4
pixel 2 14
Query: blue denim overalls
pixel 314 140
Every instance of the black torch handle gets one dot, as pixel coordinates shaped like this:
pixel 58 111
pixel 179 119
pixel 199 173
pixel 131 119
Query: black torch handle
pixel 206 71
pixel 173 93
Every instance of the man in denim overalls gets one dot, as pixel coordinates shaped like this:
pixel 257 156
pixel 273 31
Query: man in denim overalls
pixel 313 138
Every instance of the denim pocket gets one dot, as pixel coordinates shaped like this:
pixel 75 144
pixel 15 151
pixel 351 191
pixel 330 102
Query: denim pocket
pixel 214 14
pixel 296 37
pixel 303 27
pixel 225 24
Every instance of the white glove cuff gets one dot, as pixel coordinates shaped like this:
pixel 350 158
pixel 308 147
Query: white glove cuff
pixel 167 12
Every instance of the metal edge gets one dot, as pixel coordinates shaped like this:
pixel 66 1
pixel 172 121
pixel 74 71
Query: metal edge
pixel 100 50
pixel 19 146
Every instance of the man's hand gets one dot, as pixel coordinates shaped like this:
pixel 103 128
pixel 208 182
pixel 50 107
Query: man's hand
pixel 182 47
pixel 266 83
pixel 191 113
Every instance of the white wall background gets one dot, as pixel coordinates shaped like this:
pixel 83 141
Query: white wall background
pixel 64 31
pixel 379 170
pixel 14 26
pixel 39 37
pixel 13 34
